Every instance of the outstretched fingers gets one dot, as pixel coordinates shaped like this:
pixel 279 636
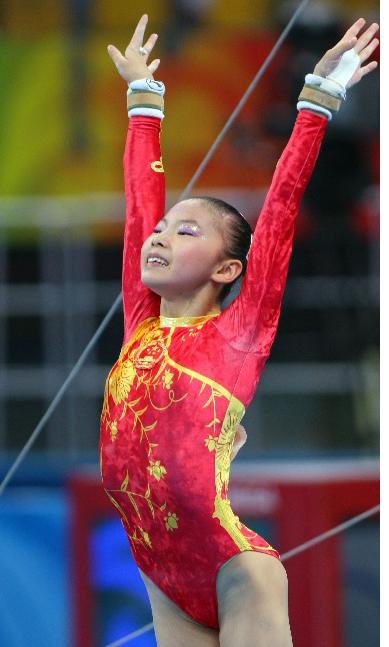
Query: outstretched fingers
pixel 354 30
pixel 137 39
pixel 367 51
pixel 368 68
pixel 154 65
pixel 362 44
pixel 116 55
pixel 363 71
pixel 136 42
pixel 343 46
pixel 148 47
pixel 364 40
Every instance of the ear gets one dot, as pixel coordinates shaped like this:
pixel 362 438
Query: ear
pixel 227 271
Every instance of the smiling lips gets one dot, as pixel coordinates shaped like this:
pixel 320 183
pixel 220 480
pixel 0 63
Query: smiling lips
pixel 156 260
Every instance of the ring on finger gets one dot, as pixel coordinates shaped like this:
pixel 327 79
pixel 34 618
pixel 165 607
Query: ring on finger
pixel 143 51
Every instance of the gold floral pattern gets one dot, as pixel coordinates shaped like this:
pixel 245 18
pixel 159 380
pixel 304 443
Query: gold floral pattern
pixel 225 441
pixel 157 470
pixel 167 379
pixel 211 442
pixel 121 380
pixel 145 537
pixel 113 430
pixel 167 375
pixel 228 520
pixel 171 521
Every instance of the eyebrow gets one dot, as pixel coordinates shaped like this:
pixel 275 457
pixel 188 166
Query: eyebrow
pixel 195 222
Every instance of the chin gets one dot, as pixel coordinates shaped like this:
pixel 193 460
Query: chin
pixel 152 286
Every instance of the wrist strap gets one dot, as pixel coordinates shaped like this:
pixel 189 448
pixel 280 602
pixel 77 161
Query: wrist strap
pixel 145 97
pixel 146 112
pixel 320 97
pixel 144 100
pixel 307 105
pixel 146 85
pixel 313 79
pixel 326 85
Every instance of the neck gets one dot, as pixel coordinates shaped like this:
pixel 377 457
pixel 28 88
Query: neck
pixel 197 305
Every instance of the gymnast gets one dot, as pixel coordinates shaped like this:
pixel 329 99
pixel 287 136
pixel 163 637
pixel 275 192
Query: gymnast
pixel 187 369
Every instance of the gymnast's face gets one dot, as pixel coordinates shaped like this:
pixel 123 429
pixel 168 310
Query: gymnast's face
pixel 185 251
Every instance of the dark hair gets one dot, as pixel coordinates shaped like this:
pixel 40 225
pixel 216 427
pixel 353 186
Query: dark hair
pixel 237 236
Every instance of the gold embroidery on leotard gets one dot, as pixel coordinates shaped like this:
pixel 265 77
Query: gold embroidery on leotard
pixel 167 379
pixel 121 381
pixel 147 356
pixel 113 430
pixel 157 166
pixel 157 470
pixel 211 442
pixel 185 322
pixel 223 511
pixel 167 375
pixel 171 521
pixel 145 537
pixel 228 520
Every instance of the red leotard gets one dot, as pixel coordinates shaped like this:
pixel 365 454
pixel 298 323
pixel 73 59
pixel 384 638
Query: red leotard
pixel 180 386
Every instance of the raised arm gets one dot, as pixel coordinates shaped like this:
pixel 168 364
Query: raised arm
pixel 145 205
pixel 143 171
pixel 253 316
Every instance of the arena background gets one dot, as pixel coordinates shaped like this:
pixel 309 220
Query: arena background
pixel 311 459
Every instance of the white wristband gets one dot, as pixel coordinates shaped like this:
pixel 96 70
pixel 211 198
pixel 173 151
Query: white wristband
pixel 146 85
pixel 312 106
pixel 328 85
pixel 313 79
pixel 142 86
pixel 146 112
pixel 333 87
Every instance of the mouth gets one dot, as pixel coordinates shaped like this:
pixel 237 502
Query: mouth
pixel 154 260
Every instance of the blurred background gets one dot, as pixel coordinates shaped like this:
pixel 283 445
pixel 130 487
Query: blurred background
pixel 311 459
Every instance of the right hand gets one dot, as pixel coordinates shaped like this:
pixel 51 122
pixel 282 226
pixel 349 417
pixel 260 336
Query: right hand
pixel 133 65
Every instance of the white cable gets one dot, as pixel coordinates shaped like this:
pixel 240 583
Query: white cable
pixel 132 635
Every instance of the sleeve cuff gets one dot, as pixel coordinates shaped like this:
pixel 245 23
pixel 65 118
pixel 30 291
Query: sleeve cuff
pixel 307 105
pixel 146 112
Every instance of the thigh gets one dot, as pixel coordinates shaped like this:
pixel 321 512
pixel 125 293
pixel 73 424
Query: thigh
pixel 252 591
pixel 173 627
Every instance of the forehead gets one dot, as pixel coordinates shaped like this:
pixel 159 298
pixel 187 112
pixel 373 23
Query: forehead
pixel 197 210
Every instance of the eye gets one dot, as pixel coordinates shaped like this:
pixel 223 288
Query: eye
pixel 186 230
pixel 157 231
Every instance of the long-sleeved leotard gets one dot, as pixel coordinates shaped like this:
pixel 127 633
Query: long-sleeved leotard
pixel 180 387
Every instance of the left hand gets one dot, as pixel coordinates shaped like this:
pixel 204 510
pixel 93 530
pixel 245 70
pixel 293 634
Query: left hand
pixel 239 440
pixel 364 45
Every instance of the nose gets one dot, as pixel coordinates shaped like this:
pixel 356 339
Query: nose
pixel 158 240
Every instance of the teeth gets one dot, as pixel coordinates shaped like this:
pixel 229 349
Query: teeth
pixel 155 259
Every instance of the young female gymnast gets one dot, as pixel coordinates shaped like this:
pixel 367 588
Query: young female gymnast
pixel 187 370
